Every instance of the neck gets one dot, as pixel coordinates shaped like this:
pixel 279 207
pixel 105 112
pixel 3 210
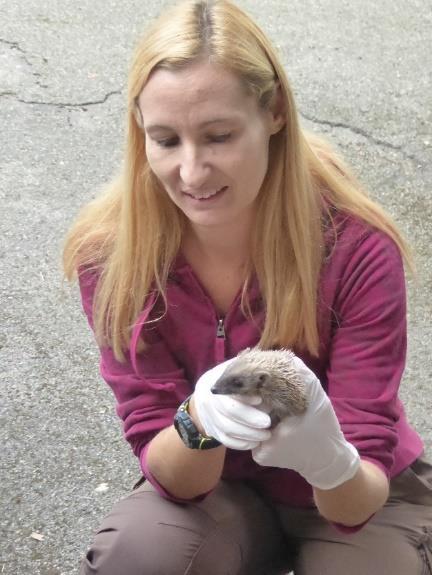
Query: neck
pixel 220 244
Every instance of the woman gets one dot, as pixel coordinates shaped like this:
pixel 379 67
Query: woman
pixel 230 227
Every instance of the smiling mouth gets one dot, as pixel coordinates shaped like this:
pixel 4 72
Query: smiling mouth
pixel 206 195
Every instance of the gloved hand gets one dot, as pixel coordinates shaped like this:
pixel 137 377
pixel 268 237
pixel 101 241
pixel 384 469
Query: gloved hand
pixel 231 419
pixel 312 443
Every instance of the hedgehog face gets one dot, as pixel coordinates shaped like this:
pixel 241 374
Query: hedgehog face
pixel 228 385
pixel 241 384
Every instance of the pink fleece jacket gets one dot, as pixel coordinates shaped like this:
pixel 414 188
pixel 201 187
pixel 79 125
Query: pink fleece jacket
pixel 362 327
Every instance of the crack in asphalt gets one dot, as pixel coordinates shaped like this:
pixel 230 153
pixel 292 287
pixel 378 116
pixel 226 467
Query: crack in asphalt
pixel 12 45
pixel 361 132
pixel 81 105
pixel 16 46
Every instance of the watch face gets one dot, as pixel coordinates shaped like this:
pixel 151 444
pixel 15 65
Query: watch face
pixel 185 428
pixel 189 434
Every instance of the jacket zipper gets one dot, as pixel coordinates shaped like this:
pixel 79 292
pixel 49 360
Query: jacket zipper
pixel 220 341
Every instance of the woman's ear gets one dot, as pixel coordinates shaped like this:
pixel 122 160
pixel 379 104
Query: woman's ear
pixel 277 110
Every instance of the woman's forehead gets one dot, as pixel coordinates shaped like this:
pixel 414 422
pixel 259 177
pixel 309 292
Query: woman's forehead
pixel 206 91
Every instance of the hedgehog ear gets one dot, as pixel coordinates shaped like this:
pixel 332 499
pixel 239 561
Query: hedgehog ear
pixel 261 379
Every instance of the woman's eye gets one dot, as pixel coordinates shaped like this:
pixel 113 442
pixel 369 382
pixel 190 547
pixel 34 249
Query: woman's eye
pixel 174 141
pixel 220 138
pixel 167 142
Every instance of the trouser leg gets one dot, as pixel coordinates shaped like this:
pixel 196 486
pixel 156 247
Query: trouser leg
pixel 231 532
pixel 396 541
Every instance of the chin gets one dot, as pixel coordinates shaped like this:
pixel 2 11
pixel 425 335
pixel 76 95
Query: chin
pixel 207 222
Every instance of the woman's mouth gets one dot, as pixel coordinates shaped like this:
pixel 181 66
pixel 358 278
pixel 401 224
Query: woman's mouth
pixel 207 195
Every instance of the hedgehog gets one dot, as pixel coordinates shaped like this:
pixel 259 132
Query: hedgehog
pixel 270 374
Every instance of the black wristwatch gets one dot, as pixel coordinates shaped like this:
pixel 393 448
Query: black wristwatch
pixel 188 431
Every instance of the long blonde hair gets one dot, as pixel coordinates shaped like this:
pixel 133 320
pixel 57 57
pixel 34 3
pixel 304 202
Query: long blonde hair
pixel 132 233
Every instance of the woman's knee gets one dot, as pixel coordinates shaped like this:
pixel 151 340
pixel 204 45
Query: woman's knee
pixel 330 558
pixel 147 534
pixel 396 541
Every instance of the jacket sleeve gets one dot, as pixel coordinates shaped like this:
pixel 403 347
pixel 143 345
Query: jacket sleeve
pixel 368 348
pixel 145 401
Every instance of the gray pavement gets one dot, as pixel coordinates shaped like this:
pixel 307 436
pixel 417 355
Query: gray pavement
pixel 361 72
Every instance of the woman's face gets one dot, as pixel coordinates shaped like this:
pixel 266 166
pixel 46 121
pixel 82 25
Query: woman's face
pixel 207 141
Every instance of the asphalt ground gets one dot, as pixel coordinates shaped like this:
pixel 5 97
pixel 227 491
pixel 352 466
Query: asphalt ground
pixel 361 72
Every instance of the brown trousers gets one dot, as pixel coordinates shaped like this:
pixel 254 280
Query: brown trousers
pixel 234 532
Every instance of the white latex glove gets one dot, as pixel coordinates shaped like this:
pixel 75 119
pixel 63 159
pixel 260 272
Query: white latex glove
pixel 313 443
pixel 230 419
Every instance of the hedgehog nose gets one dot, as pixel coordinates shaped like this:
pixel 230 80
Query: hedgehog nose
pixel 215 390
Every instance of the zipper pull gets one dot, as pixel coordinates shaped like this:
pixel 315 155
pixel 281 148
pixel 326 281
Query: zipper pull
pixel 220 332
pixel 220 341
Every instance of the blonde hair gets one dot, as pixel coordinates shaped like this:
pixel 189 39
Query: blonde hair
pixel 123 233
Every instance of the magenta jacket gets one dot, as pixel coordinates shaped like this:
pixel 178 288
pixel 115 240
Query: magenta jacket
pixel 362 327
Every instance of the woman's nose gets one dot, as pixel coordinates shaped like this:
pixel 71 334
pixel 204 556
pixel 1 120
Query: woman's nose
pixel 194 170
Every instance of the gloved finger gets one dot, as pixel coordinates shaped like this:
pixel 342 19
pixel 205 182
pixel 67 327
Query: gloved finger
pixel 237 430
pixel 266 454
pixel 248 399
pixel 307 375
pixel 235 410
pixel 257 454
pixel 287 428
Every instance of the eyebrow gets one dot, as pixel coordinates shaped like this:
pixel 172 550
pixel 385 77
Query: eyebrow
pixel 155 127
